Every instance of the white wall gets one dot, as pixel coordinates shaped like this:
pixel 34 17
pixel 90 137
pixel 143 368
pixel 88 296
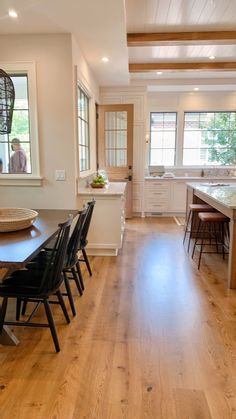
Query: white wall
pixel 52 55
pixel 86 79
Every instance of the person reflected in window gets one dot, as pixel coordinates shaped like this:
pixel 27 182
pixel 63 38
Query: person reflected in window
pixel 1 165
pixel 18 160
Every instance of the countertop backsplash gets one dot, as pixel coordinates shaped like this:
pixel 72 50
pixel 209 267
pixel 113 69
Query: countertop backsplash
pixel 214 172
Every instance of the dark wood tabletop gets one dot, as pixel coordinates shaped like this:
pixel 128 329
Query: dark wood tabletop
pixel 19 247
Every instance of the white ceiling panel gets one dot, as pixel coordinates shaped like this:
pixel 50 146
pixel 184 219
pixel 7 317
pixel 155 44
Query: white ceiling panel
pixel 182 53
pixel 146 16
pixel 180 15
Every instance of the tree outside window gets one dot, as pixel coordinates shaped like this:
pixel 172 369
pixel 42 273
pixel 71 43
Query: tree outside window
pixel 209 138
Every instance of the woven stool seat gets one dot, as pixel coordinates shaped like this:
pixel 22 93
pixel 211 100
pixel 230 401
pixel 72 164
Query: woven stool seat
pixel 216 217
pixel 200 207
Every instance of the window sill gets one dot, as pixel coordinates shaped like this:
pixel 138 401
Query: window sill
pixel 20 180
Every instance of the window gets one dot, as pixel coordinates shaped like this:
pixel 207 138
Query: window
pixel 209 138
pixel 116 146
pixel 24 128
pixel 83 128
pixel 162 138
pixel 16 154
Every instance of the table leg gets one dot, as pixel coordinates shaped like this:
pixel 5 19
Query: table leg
pixel 7 337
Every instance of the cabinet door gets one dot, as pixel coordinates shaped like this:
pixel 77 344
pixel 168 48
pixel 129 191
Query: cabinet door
pixel 178 196
pixel 156 196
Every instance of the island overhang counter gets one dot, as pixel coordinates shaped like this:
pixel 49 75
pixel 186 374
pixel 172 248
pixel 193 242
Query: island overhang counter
pixel 222 197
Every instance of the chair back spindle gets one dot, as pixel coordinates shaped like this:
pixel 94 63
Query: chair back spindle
pixel 52 276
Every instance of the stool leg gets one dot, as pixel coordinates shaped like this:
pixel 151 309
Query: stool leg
pixel 186 226
pixel 190 232
pixel 202 244
pixel 196 238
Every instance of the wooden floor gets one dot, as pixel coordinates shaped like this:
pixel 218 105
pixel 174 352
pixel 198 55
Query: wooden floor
pixel 153 339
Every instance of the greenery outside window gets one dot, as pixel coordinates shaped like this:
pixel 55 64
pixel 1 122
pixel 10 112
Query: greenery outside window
pixel 83 130
pixel 163 127
pixel 209 138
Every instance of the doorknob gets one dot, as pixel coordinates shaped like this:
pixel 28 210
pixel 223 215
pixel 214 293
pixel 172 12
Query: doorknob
pixel 128 178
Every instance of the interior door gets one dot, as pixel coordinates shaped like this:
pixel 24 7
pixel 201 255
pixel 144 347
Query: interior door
pixel 115 146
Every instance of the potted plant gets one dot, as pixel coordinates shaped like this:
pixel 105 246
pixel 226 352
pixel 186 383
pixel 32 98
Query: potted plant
pixel 98 182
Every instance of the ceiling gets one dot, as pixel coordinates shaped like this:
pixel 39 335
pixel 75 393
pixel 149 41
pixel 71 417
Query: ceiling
pixel 100 29
pixel 174 16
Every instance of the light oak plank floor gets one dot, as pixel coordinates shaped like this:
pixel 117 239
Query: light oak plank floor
pixel 154 338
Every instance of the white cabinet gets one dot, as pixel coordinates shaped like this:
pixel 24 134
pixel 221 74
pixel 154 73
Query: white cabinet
pixel 163 197
pixel 137 196
pixel 178 193
pixel 108 221
pixel 157 195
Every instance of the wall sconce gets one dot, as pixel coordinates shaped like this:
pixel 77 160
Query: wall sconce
pixel 147 138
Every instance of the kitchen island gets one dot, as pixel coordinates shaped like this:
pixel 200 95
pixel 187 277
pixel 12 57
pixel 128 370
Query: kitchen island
pixel 222 197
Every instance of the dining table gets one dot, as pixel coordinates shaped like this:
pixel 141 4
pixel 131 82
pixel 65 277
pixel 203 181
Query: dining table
pixel 17 248
pixel 222 197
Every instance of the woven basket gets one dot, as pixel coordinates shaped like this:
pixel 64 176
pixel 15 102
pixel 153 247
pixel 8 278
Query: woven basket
pixel 97 185
pixel 14 219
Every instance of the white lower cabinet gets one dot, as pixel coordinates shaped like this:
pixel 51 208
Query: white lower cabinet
pixel 157 196
pixel 178 193
pixel 108 221
pixel 169 196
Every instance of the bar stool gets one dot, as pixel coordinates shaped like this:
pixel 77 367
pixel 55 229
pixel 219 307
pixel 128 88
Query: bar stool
pixel 208 222
pixel 194 208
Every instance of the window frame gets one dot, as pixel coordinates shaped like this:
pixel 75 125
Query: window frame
pixel 81 89
pixel 182 140
pixel 176 137
pixel 33 178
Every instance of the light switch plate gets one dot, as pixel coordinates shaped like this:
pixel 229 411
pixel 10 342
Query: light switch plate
pixel 60 175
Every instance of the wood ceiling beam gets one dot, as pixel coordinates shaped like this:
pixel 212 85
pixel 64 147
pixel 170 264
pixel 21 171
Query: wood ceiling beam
pixel 211 66
pixel 180 38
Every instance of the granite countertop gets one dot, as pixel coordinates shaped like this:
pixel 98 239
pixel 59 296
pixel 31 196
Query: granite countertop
pixel 211 179
pixel 112 188
pixel 223 193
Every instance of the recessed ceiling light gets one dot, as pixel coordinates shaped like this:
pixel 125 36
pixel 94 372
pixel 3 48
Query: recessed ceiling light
pixel 212 57
pixel 105 59
pixel 12 13
pixel 196 89
pixel 159 73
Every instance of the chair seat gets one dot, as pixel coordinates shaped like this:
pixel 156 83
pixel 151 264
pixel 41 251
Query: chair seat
pixel 213 217
pixel 200 207
pixel 17 290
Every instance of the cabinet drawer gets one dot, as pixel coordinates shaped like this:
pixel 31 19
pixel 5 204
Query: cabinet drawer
pixel 154 207
pixel 155 183
pixel 158 194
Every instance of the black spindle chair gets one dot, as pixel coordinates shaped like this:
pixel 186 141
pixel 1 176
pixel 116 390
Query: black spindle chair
pixel 49 280
pixel 70 261
pixel 83 241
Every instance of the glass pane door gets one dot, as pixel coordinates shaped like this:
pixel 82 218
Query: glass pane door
pixel 116 139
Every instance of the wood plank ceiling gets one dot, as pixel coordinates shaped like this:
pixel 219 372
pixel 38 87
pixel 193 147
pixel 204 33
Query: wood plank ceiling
pixel 181 35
